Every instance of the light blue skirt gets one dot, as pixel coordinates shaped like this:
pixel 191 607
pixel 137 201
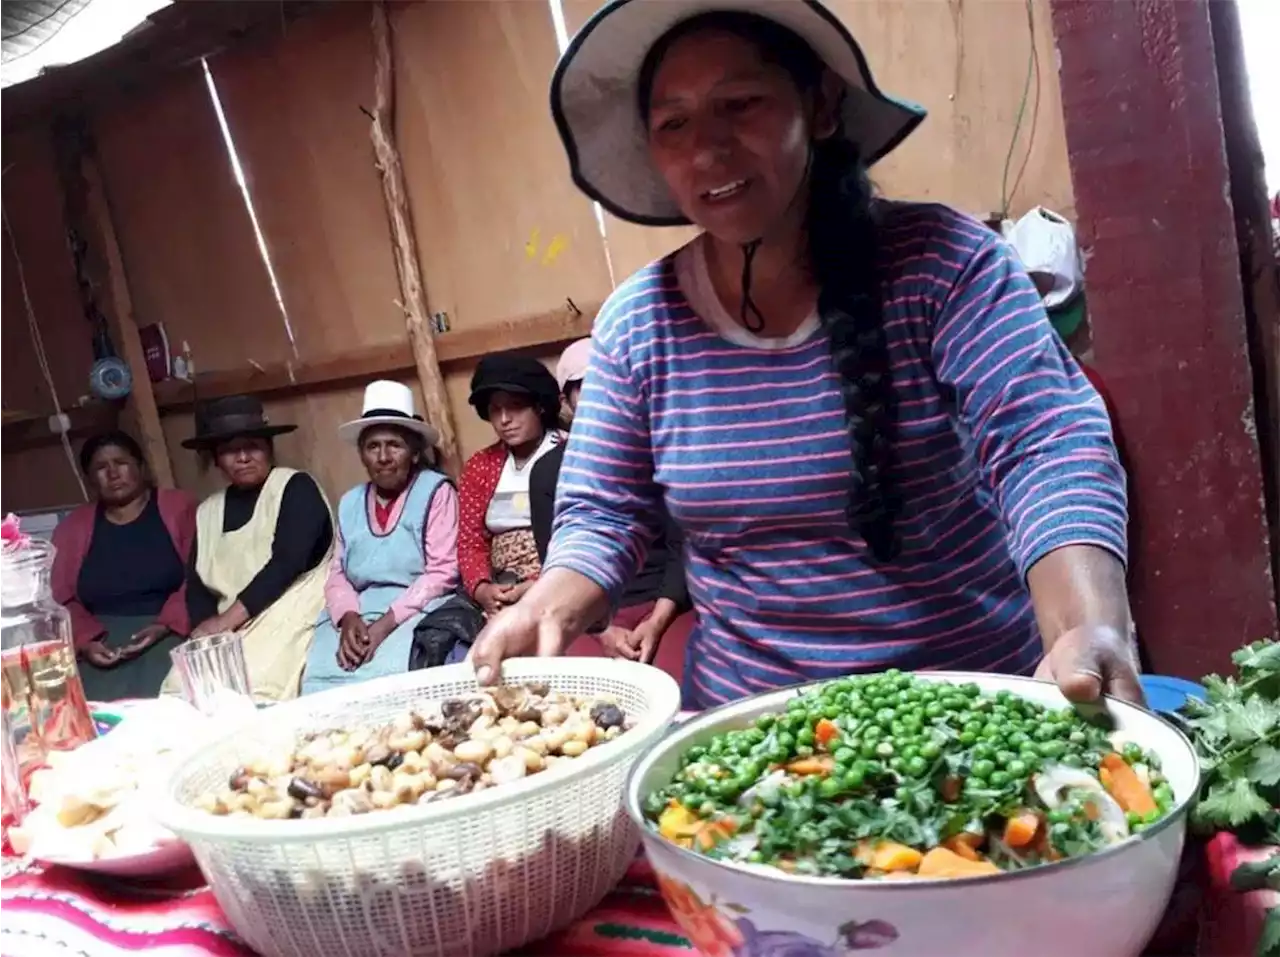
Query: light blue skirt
pixel 323 671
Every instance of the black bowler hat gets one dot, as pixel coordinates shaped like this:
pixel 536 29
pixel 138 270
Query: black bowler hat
pixel 231 417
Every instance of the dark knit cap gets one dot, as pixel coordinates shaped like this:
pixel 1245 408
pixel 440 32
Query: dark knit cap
pixel 517 374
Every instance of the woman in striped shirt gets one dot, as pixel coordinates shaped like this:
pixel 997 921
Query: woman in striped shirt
pixel 878 450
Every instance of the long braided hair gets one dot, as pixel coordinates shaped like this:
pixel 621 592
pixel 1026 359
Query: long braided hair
pixel 842 235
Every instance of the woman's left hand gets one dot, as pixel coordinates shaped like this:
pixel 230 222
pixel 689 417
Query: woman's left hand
pixel 229 620
pixel 1091 661
pixel 142 640
pixel 513 594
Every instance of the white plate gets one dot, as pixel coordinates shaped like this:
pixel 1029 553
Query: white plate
pixel 164 859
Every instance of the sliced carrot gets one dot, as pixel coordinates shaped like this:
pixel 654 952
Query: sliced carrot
pixel 1020 830
pixel 943 863
pixel 965 844
pixel 825 731
pixel 1126 787
pixel 814 765
pixel 713 832
pixel 888 856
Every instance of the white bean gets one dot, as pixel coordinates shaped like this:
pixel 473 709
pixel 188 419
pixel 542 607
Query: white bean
pixel 477 752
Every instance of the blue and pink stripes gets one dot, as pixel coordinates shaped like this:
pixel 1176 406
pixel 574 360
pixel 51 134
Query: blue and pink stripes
pixel 1004 454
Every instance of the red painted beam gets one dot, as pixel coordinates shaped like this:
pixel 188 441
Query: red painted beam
pixel 1145 139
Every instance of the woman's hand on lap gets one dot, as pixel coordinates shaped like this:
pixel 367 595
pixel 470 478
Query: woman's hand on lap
pixel 353 641
pixel 487 597
pixel 511 594
pixel 376 634
pixel 1090 661
pixel 99 655
pixel 142 639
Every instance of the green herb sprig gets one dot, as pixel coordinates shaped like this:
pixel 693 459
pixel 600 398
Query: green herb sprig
pixel 1237 736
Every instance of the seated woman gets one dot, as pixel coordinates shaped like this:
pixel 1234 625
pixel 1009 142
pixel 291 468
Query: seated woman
pixel 497 554
pixel 261 549
pixel 119 570
pixel 396 558
pixel 653 619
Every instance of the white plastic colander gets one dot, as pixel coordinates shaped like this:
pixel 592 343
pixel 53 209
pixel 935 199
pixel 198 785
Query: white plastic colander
pixel 464 877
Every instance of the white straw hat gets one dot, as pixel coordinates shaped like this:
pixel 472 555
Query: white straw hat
pixel 388 403
pixel 595 101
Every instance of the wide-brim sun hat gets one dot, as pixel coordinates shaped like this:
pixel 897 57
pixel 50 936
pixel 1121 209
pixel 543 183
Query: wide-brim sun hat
pixel 595 100
pixel 231 417
pixel 388 403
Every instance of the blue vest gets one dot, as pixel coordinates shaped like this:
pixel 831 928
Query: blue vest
pixel 380 567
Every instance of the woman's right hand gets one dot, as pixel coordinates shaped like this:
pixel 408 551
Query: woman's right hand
pixel 488 597
pixel 353 641
pixel 99 655
pixel 517 631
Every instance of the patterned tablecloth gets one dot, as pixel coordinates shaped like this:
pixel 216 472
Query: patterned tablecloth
pixel 55 912
pixel 52 912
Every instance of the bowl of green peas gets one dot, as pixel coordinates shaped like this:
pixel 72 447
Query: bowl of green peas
pixel 917 814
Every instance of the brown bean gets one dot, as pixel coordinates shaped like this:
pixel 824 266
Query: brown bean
pixel 333 780
pixel 302 789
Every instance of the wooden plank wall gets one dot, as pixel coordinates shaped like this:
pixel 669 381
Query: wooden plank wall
pixel 501 230
pixel 35 248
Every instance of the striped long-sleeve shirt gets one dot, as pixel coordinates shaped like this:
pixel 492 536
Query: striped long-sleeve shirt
pixel 1004 453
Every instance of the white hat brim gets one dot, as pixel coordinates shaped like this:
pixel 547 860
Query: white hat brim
pixel 594 99
pixel 350 431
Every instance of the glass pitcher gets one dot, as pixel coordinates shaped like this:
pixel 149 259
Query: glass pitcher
pixel 42 695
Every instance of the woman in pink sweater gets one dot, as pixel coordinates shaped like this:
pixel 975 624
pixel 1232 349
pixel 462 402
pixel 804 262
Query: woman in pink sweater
pixel 120 571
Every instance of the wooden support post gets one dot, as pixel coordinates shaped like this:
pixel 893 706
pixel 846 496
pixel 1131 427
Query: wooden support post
pixel 412 294
pixel 87 208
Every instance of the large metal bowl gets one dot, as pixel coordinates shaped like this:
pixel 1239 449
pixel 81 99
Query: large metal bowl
pixel 1107 904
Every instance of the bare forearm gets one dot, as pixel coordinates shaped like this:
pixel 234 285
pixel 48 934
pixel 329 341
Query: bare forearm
pixel 1076 586
pixel 663 614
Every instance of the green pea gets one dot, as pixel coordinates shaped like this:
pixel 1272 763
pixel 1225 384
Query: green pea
pixel 805 737
pixel 999 779
pixel 884 749
pixel 854 778
pixel 930 750
pixel 830 787
pixel 1077 737
pixel 786 740
pixel 1132 753
pixel 967 738
pixel 1017 768
pixel 845 756
pixel 1059 816
pixel 1071 760
pixel 982 768
pixel 1052 749
pixel 917 766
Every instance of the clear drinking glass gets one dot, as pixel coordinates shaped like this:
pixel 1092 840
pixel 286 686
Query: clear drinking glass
pixel 213 673
pixel 40 689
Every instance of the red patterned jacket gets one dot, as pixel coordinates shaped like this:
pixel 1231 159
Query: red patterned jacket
pixel 476 486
